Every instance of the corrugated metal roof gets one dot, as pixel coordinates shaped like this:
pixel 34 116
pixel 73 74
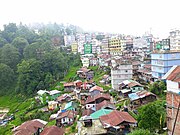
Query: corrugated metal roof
pixel 99 113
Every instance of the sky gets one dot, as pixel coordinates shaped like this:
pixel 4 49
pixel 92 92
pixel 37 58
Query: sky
pixel 134 17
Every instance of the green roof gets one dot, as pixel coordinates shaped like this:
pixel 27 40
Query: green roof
pixel 68 105
pixel 100 112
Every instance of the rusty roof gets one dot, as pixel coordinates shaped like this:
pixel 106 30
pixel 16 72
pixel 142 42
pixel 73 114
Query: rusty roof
pixel 53 130
pixel 100 95
pixel 134 83
pixel 68 84
pixel 115 118
pixel 29 127
pixel 175 75
pixel 87 112
pixel 69 114
pixel 104 104
pixel 96 88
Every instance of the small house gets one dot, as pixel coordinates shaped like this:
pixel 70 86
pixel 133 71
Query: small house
pixel 54 94
pixel 65 118
pixel 96 90
pixel 53 130
pixel 100 113
pixel 32 127
pixel 69 87
pixel 63 98
pixel 71 106
pixel 52 105
pixel 118 122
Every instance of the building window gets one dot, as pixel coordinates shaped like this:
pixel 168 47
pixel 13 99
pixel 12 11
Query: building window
pixel 126 71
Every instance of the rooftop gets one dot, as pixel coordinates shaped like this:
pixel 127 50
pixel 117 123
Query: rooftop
pixel 100 112
pixel 53 130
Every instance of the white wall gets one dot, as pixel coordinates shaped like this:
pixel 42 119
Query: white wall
pixel 173 86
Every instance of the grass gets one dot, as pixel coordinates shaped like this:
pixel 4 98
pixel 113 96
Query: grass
pixel 13 103
pixel 71 73
pixel 51 123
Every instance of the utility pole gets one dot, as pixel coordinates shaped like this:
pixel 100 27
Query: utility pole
pixel 176 118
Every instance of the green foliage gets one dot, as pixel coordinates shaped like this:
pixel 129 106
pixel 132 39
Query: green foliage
pixel 20 43
pixel 29 76
pixel 7 78
pixel 152 116
pixel 141 132
pixel 157 87
pixel 9 56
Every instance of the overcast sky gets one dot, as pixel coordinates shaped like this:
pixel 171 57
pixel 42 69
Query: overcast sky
pixel 122 16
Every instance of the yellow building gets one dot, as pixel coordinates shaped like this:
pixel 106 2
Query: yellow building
pixel 115 47
pixel 74 47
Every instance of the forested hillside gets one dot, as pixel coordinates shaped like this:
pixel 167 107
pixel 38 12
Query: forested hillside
pixel 31 60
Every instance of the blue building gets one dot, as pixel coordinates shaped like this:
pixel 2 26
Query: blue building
pixel 162 63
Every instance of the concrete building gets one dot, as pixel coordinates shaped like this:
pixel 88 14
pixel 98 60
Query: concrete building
pixel 173 99
pixel 121 72
pixel 162 62
pixel 164 44
pixel 175 40
pixel 85 62
pixel 68 40
pixel 129 43
pixel 74 47
pixel 105 45
pixel 115 46
pixel 139 42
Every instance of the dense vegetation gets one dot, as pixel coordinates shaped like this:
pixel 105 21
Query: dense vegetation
pixel 30 61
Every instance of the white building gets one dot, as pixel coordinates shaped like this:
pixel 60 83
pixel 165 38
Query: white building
pixel 139 42
pixel 120 73
pixel 85 62
pixel 175 40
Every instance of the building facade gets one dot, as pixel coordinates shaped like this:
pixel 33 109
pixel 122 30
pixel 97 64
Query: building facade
pixel 173 100
pixel 74 47
pixel 162 63
pixel 175 40
pixel 105 45
pixel 115 46
pixel 120 73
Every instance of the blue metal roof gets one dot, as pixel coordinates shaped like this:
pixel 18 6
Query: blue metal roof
pixel 133 96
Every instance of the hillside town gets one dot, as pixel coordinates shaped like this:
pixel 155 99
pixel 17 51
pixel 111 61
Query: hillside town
pixel 112 83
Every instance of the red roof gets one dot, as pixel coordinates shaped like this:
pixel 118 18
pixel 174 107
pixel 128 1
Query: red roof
pixel 62 97
pixel 115 118
pixel 84 69
pixel 132 84
pixel 68 84
pixel 175 75
pixel 147 66
pixel 100 95
pixel 69 114
pixel 28 127
pixel 96 88
pixel 105 103
pixel 87 112
pixel 53 130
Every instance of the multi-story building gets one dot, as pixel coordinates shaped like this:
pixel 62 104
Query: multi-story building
pixel 123 44
pixel 162 61
pixel 115 46
pixel 175 40
pixel 74 47
pixel 120 73
pixel 129 43
pixel 150 43
pixel 164 44
pixel 105 45
pixel 95 44
pixel 68 40
pixel 173 100
pixel 139 42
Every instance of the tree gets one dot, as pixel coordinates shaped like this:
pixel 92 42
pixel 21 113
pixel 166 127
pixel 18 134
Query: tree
pixel 9 32
pixel 141 132
pixel 7 77
pixel 9 56
pixel 152 116
pixel 20 44
pixel 157 87
pixel 29 76
pixel 2 42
